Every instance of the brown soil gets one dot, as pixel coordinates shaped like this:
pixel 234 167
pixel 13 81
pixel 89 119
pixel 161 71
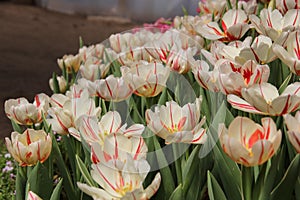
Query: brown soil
pixel 32 38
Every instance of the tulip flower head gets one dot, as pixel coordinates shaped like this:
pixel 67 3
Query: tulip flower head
pixel 29 147
pixel 69 62
pixel 291 55
pixel 234 26
pixel 177 124
pixel 264 99
pixel 25 113
pixel 113 89
pixel 122 181
pixel 146 79
pixel 293 126
pixel 248 143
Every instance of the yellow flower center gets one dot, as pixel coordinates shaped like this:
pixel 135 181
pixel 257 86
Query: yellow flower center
pixel 174 129
pixel 126 188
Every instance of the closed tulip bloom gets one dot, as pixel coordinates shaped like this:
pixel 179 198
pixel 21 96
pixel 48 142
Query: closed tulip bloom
pixel 264 99
pixel 248 143
pixel 146 79
pixel 62 84
pixel 29 147
pixel 177 124
pixel 293 126
pixel 25 113
pixel 113 89
pixel 70 62
pixel 121 181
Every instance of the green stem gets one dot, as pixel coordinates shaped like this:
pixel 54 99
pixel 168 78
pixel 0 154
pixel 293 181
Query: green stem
pixel 177 163
pixel 247 179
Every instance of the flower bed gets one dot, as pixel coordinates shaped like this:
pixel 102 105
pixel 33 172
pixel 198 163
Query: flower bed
pixel 199 107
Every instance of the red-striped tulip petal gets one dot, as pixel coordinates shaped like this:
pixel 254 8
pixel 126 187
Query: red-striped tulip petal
pixel 25 113
pixel 249 143
pixel 113 89
pixel 293 126
pixel 117 146
pixel 264 99
pixel 177 124
pixel 291 55
pixel 147 79
pixel 29 147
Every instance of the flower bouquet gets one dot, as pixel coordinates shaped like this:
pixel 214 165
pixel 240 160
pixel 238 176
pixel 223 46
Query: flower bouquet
pixel 197 107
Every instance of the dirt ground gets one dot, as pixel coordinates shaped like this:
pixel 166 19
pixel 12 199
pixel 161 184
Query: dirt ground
pixel 32 38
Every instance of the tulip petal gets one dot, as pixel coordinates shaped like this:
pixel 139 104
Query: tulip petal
pixel 240 104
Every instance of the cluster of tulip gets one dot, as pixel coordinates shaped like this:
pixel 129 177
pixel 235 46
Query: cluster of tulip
pixel 146 109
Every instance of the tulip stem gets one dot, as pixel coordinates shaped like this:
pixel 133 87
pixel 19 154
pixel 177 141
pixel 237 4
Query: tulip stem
pixel 177 163
pixel 247 179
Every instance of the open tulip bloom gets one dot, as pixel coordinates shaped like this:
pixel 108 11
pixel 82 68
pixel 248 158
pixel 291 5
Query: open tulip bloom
pixel 195 107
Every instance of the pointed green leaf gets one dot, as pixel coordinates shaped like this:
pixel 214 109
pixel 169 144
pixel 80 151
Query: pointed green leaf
pixel 177 194
pixel 215 191
pixel 16 127
pixel 57 190
pixel 284 190
pixel 38 179
pixel 167 178
pixel 20 183
pixel 85 173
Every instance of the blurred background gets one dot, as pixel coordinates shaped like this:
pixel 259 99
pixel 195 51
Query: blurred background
pixel 34 33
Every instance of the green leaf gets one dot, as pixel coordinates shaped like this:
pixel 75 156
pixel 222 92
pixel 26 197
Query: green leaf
pixel 20 183
pixel 68 184
pixel 297 191
pixel 167 178
pixel 215 191
pixel 85 173
pixel 81 43
pixel 190 168
pixel 55 83
pixel 271 175
pixel 285 83
pixel 259 183
pixel 57 190
pixel 212 132
pixel 16 127
pixel 177 194
pixel 229 173
pixel 284 190
pixel 39 182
